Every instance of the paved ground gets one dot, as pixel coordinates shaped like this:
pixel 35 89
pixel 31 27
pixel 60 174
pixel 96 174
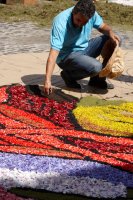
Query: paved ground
pixel 26 37
pixel 29 67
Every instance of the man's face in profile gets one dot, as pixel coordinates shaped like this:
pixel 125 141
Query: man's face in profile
pixel 79 20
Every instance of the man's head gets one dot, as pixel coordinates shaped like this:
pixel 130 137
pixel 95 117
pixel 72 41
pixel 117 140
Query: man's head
pixel 82 12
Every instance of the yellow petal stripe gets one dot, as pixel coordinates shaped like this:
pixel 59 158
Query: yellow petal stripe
pixel 110 119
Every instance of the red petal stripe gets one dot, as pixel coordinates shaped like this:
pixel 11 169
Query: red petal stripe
pixel 47 137
pixel 3 94
pixel 25 117
pixel 41 152
pixel 10 123
pixel 13 140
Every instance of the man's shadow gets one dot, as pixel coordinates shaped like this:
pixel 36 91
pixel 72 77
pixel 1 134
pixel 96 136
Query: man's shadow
pixel 125 78
pixel 38 79
pixel 33 79
pixel 58 83
pixel 35 82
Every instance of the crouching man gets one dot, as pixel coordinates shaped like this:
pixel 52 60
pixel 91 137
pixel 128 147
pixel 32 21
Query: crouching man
pixel 73 50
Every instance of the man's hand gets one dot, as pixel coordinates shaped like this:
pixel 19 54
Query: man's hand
pixel 48 87
pixel 114 38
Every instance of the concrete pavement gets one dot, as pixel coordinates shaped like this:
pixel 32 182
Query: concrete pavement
pixel 23 53
pixel 29 68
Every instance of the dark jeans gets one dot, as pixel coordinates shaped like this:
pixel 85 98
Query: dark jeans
pixel 83 64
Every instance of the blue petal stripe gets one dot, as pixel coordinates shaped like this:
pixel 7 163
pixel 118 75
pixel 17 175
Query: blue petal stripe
pixel 78 168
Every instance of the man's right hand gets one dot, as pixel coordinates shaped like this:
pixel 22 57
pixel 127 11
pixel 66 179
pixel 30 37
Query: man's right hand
pixel 48 87
pixel 49 70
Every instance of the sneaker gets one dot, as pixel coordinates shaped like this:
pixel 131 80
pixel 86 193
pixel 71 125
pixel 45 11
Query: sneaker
pixel 69 83
pixel 101 84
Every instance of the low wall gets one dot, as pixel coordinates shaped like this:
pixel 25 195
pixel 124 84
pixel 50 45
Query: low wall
pixel 25 2
pixel 29 2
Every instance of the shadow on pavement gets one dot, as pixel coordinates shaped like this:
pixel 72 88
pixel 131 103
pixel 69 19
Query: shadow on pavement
pixel 125 78
pixel 38 79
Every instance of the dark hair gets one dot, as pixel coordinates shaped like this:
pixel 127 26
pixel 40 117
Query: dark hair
pixel 85 7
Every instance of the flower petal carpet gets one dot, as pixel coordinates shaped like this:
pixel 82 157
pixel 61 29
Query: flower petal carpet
pixel 61 146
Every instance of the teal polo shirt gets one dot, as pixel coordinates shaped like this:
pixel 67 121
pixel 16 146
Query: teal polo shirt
pixel 66 38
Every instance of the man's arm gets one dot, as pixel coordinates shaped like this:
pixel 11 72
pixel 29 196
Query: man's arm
pixel 49 70
pixel 106 30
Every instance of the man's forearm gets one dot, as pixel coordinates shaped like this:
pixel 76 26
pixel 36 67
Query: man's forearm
pixel 49 69
pixel 50 64
pixel 105 29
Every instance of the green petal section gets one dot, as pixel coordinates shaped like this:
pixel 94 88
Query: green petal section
pixel 94 101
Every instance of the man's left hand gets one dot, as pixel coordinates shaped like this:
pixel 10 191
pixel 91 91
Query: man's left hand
pixel 115 38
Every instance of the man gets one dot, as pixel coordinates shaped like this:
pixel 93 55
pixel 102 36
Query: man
pixel 73 50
